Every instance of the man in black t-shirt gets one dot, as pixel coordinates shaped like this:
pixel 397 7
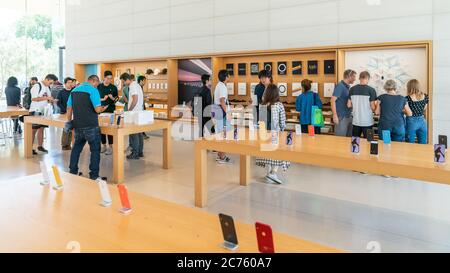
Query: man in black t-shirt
pixel 265 78
pixel 108 96
pixel 206 100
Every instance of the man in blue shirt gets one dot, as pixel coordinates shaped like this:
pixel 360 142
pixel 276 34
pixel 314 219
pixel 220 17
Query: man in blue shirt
pixel 342 114
pixel 83 108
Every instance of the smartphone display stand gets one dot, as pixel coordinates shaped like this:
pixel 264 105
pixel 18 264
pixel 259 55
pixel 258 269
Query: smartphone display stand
pixel 229 246
pixel 105 204
pixel 106 197
pixel 125 211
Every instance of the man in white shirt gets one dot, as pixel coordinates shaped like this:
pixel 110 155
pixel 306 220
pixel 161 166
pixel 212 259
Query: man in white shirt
pixel 135 104
pixel 40 98
pixel 222 108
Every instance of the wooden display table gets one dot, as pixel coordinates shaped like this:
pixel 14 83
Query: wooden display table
pixel 10 111
pixel 405 160
pixel 38 219
pixel 118 134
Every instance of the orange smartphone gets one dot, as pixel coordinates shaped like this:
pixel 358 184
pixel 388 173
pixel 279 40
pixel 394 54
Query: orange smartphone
pixel 265 238
pixel 123 193
pixel 311 131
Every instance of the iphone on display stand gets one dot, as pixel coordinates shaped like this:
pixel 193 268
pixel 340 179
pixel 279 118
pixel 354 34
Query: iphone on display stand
pixel 45 177
pixel 125 201
pixel 265 238
pixel 290 139
pixel 57 185
pixel 298 129
pixel 374 148
pixel 229 232
pixel 104 192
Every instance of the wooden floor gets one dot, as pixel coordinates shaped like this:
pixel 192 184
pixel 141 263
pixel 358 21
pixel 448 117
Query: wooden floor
pixel 39 219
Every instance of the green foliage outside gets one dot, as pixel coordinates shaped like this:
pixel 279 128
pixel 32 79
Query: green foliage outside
pixel 29 47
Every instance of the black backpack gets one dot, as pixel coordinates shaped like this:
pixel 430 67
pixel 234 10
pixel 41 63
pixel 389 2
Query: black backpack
pixel 26 101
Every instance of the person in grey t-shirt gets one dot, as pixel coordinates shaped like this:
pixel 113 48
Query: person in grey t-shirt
pixel 342 114
pixel 363 101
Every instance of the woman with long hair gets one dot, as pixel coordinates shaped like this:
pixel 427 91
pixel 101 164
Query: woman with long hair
pixel 416 125
pixel 276 122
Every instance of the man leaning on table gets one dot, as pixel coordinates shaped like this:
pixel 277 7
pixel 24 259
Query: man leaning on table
pixel 83 108
pixel 342 114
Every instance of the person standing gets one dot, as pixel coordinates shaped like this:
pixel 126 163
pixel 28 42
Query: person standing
pixel 416 126
pixel 363 101
pixel 392 107
pixel 304 105
pixel 277 123
pixel 40 98
pixel 142 81
pixel 108 96
pixel 63 97
pixel 83 107
pixel 13 95
pixel 221 110
pixel 342 114
pixel 135 104
pixel 206 100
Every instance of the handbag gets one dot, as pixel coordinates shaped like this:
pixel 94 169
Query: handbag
pixel 317 118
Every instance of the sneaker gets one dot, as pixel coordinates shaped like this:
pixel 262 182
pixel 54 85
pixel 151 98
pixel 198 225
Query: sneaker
pixel 132 157
pixel 103 150
pixel 66 148
pixel 145 136
pixel 274 178
pixel 141 155
pixel 42 150
pixel 109 151
pixel 225 160
pixel 34 152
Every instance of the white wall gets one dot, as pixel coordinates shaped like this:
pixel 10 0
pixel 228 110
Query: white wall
pixel 100 30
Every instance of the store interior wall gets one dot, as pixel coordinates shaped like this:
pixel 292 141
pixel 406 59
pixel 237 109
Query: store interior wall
pixel 107 30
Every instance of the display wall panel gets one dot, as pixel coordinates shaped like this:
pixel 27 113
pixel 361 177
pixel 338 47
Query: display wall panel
pixel 401 65
pixel 280 78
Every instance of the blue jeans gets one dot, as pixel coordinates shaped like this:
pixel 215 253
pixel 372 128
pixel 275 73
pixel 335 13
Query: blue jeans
pixel 136 144
pixel 417 127
pixel 397 133
pixel 92 137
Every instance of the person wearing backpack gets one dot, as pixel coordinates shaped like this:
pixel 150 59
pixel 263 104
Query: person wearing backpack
pixel 26 101
pixel 305 104
pixel 40 98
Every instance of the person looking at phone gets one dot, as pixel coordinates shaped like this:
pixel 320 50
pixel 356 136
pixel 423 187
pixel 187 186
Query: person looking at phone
pixel 135 104
pixel 40 98
pixel 83 107
pixel 108 97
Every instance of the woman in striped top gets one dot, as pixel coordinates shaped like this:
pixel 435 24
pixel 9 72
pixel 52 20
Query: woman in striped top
pixel 416 126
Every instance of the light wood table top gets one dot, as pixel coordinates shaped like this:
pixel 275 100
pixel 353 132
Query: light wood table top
pixel 11 111
pixel 117 132
pixel 38 219
pixel 412 161
pixel 125 129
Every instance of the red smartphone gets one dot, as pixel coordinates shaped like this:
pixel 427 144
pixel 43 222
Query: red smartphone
pixel 123 193
pixel 265 238
pixel 311 130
